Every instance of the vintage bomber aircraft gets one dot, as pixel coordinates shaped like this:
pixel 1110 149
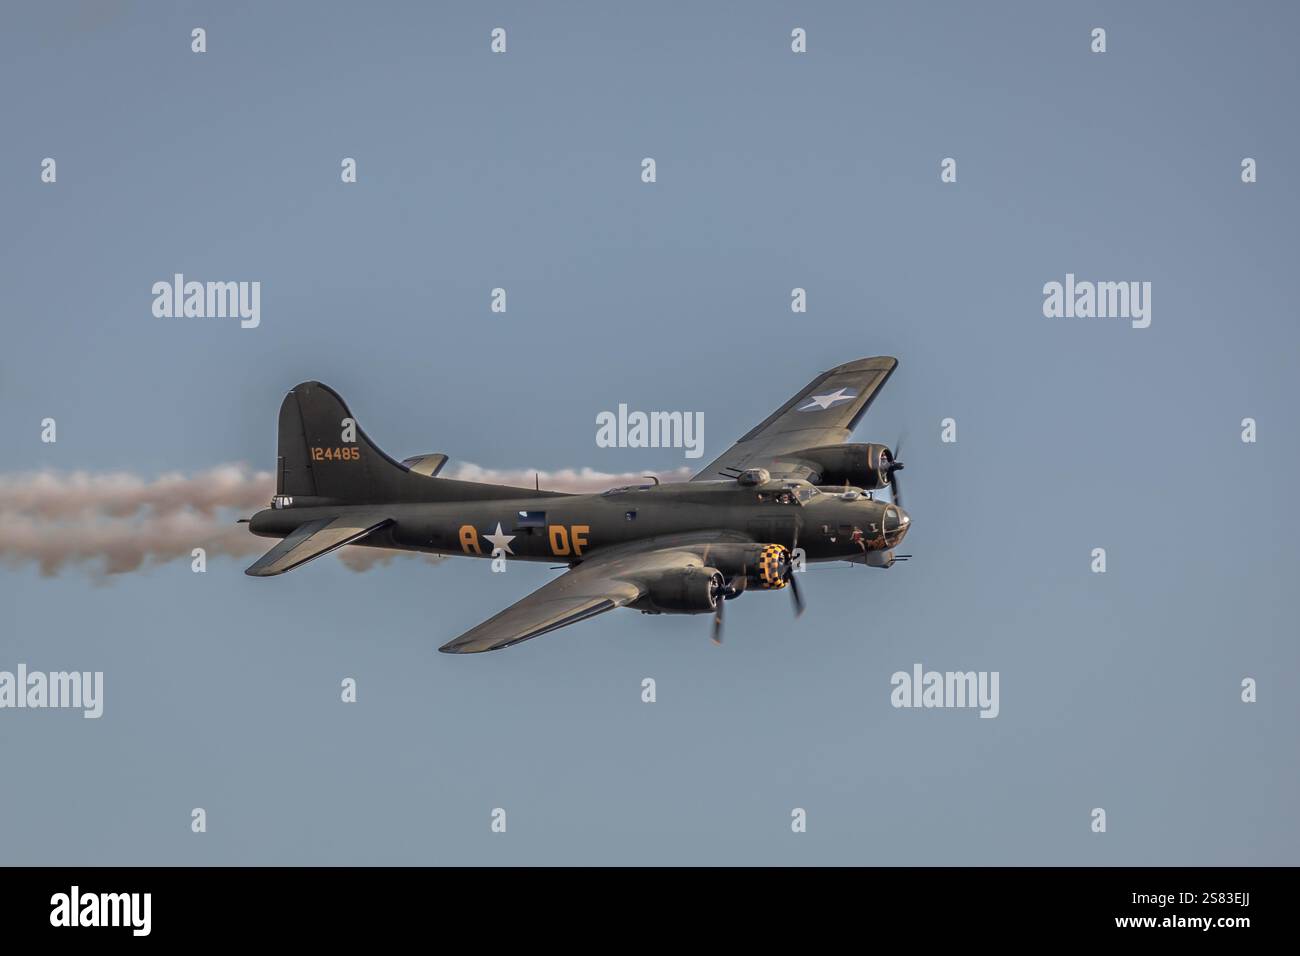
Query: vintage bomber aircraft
pixel 680 548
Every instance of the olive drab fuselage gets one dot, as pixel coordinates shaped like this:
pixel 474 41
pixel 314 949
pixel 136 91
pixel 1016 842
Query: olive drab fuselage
pixel 827 523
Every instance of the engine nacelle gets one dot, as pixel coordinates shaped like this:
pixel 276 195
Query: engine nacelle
pixel 751 567
pixel 863 466
pixel 684 591
pixel 767 568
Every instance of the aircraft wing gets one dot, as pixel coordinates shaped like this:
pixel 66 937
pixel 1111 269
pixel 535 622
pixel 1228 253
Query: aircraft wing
pixel 601 583
pixel 824 412
pixel 312 539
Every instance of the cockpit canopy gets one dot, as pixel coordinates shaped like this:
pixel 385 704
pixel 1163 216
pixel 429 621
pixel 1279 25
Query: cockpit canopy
pixel 786 491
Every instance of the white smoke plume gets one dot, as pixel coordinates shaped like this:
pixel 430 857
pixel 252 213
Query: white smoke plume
pixel 60 495
pixel 118 545
pixel 116 522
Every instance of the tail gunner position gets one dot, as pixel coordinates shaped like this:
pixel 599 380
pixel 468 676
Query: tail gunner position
pixel 684 548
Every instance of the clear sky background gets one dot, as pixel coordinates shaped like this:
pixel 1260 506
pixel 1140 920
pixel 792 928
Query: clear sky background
pixel 775 170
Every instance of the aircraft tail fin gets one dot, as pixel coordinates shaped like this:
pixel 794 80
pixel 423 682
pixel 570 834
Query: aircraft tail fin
pixel 325 454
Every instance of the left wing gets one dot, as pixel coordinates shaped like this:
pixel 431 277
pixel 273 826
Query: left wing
pixel 601 583
pixel 824 412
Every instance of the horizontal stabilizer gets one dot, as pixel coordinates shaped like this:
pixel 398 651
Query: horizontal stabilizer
pixel 427 465
pixel 313 539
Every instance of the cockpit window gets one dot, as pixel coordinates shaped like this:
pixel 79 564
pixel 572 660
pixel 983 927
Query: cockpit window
pixel 807 494
pixel 783 496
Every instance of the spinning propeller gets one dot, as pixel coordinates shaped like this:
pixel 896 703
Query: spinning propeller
pixel 787 574
pixel 719 596
pixel 894 465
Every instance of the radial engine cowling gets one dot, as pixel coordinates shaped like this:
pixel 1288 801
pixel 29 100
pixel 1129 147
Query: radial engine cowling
pixel 752 567
pixel 865 466
pixel 769 568
pixel 693 590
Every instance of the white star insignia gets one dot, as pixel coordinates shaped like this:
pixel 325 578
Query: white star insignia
pixel 500 540
pixel 826 401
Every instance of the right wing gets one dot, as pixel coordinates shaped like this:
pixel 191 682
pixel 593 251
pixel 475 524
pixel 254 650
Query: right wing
pixel 314 538
pixel 601 583
pixel 824 412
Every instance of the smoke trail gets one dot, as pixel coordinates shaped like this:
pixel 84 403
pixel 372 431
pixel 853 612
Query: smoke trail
pixel 116 522
pixel 117 545
pixel 363 559
pixel 56 495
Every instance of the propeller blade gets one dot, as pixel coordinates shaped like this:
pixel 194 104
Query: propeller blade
pixel 789 574
pixel 894 494
pixel 896 465
pixel 717 620
pixel 796 595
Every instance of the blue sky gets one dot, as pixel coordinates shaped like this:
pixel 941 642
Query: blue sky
pixel 775 171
